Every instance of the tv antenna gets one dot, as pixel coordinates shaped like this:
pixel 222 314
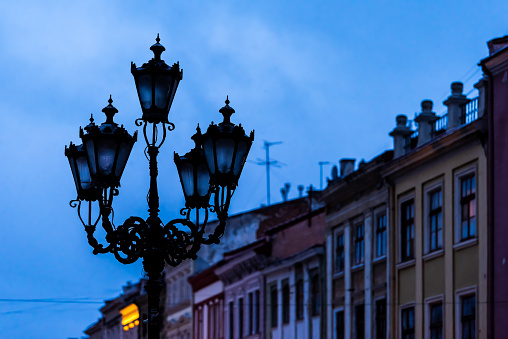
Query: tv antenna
pixel 269 163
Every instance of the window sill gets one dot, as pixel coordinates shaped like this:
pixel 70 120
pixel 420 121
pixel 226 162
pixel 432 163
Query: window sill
pixel 405 264
pixel 338 274
pixel 357 267
pixel 379 259
pixel 465 244
pixel 433 254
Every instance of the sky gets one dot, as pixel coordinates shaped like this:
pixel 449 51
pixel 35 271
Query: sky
pixel 326 78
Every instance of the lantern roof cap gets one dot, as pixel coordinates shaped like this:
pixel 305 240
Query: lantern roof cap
pixel 110 111
pixel 157 49
pixel 227 111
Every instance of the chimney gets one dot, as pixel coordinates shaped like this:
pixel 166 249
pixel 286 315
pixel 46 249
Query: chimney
pixel 481 86
pixel 300 189
pixel 425 122
pixel 335 173
pixel 455 103
pixel 497 44
pixel 285 191
pixel 400 134
pixel 347 166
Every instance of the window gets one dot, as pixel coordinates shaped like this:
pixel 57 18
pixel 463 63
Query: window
pixel 240 317
pixel 315 293
pixel 256 311
pixel 251 314
pixel 408 323
pixel 339 253
pixel 359 322
pixel 359 244
pixel 407 230
pixel 436 321
pixel 381 319
pixel 285 302
pixel 231 321
pixel 381 235
pixel 299 296
pixel 273 304
pixel 468 207
pixel 130 317
pixel 468 317
pixel 339 325
pixel 435 220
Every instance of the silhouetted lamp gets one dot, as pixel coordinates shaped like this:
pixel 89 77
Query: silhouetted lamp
pixel 156 83
pixel 226 147
pixel 194 175
pixel 80 172
pixel 107 148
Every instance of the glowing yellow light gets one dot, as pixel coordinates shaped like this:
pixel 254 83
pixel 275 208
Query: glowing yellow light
pixel 126 328
pixel 129 314
pixel 131 325
pixel 136 322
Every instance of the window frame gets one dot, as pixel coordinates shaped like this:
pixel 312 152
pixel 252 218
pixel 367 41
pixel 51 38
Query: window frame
pixel 359 241
pixel 359 324
pixel 459 175
pixel 429 302
pixel 274 304
pixel 286 301
pixel 342 249
pixel 377 317
pixel 316 292
pixel 401 314
pixel 402 203
pixel 459 295
pixel 241 316
pixel 299 292
pixel 430 189
pixel 378 231
pixel 334 324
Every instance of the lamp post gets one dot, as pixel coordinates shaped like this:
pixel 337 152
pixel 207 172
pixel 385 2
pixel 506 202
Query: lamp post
pixel 209 175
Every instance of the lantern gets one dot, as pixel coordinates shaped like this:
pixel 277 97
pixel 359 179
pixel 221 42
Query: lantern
pixel 107 148
pixel 226 147
pixel 194 175
pixel 156 83
pixel 79 167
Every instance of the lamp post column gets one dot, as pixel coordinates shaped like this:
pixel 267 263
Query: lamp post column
pixel 153 262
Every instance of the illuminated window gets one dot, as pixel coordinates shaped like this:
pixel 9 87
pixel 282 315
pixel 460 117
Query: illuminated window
pixel 130 317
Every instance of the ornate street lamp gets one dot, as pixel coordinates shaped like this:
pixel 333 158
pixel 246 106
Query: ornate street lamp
pixel 208 173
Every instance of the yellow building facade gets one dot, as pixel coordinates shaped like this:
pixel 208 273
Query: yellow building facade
pixel 438 235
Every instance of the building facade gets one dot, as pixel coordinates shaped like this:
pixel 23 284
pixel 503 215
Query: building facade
pixel 438 230
pixel 357 255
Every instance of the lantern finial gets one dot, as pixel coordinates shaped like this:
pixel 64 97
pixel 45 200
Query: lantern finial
pixel 227 111
pixel 157 49
pixel 110 111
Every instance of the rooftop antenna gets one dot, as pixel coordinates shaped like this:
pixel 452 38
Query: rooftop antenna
pixel 269 163
pixel 321 164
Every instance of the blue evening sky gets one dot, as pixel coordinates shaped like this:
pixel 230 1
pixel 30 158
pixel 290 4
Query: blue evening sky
pixel 326 78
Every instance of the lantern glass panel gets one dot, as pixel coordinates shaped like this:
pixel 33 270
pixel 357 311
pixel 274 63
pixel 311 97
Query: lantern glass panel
pixel 162 87
pixel 225 149
pixel 106 151
pixel 187 174
pixel 84 173
pixel 144 86
pixel 241 155
pixel 203 179
pixel 123 155
pixel 73 170
pixel 208 149
pixel 90 154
